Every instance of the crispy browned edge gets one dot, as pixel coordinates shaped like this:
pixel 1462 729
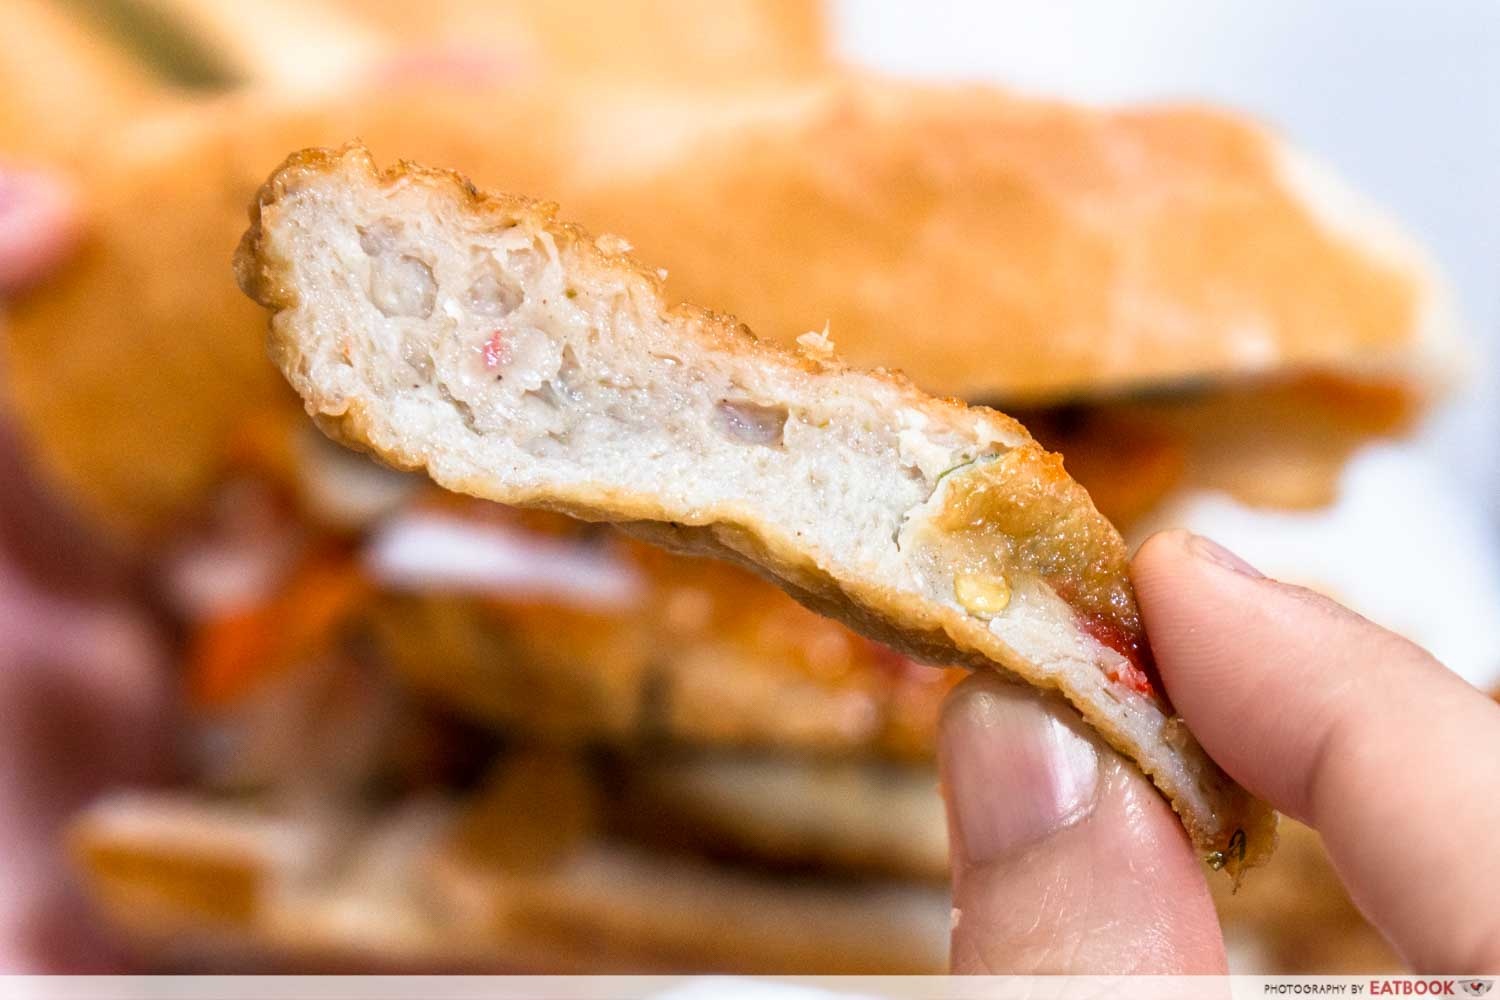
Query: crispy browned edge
pixel 1236 836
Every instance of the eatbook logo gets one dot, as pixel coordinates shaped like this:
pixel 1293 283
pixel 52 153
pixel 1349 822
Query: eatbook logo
pixel 1476 987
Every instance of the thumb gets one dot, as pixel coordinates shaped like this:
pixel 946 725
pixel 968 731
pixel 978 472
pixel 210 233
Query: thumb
pixel 1065 859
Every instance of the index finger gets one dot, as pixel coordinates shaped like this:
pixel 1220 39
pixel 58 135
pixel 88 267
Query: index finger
pixel 1394 758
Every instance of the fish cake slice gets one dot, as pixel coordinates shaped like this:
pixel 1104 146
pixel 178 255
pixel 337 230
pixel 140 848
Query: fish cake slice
pixel 518 359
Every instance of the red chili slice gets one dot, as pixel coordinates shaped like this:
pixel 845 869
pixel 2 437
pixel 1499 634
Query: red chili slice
pixel 1139 670
pixel 231 655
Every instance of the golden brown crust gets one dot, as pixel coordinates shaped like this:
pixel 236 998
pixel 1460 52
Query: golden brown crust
pixel 1104 249
pixel 1221 818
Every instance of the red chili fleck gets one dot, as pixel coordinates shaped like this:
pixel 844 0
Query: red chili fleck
pixel 1134 678
pixel 496 352
pixel 1138 672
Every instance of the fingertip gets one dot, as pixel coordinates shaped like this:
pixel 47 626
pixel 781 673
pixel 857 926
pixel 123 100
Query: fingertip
pixel 1178 574
pixel 1161 549
pixel 968 702
pixel 1066 859
pixel 1169 561
pixel 1017 767
pixel 1163 572
pixel 1261 670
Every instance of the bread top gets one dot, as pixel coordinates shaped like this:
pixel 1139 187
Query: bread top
pixel 993 247
pixel 1085 251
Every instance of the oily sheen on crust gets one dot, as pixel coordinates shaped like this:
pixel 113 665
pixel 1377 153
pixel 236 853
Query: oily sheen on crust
pixel 517 359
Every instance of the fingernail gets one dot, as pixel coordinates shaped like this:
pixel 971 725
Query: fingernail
pixel 1207 548
pixel 1014 771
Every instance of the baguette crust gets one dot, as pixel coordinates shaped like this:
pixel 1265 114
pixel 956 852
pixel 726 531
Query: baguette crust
pixel 906 216
pixel 1107 249
pixel 1072 626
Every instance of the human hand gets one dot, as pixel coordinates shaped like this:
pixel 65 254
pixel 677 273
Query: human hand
pixel 1067 860
pixel 81 693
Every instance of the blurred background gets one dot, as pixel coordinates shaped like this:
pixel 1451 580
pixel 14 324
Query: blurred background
pixel 271 707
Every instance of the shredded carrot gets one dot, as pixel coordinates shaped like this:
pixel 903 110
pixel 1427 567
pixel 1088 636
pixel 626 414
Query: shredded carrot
pixel 232 655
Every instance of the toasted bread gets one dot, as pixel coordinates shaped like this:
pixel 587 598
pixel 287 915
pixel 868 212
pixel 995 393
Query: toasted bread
pixel 932 227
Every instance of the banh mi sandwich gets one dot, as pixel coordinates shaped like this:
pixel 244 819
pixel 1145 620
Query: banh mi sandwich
pixel 142 380
pixel 942 176
pixel 522 361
